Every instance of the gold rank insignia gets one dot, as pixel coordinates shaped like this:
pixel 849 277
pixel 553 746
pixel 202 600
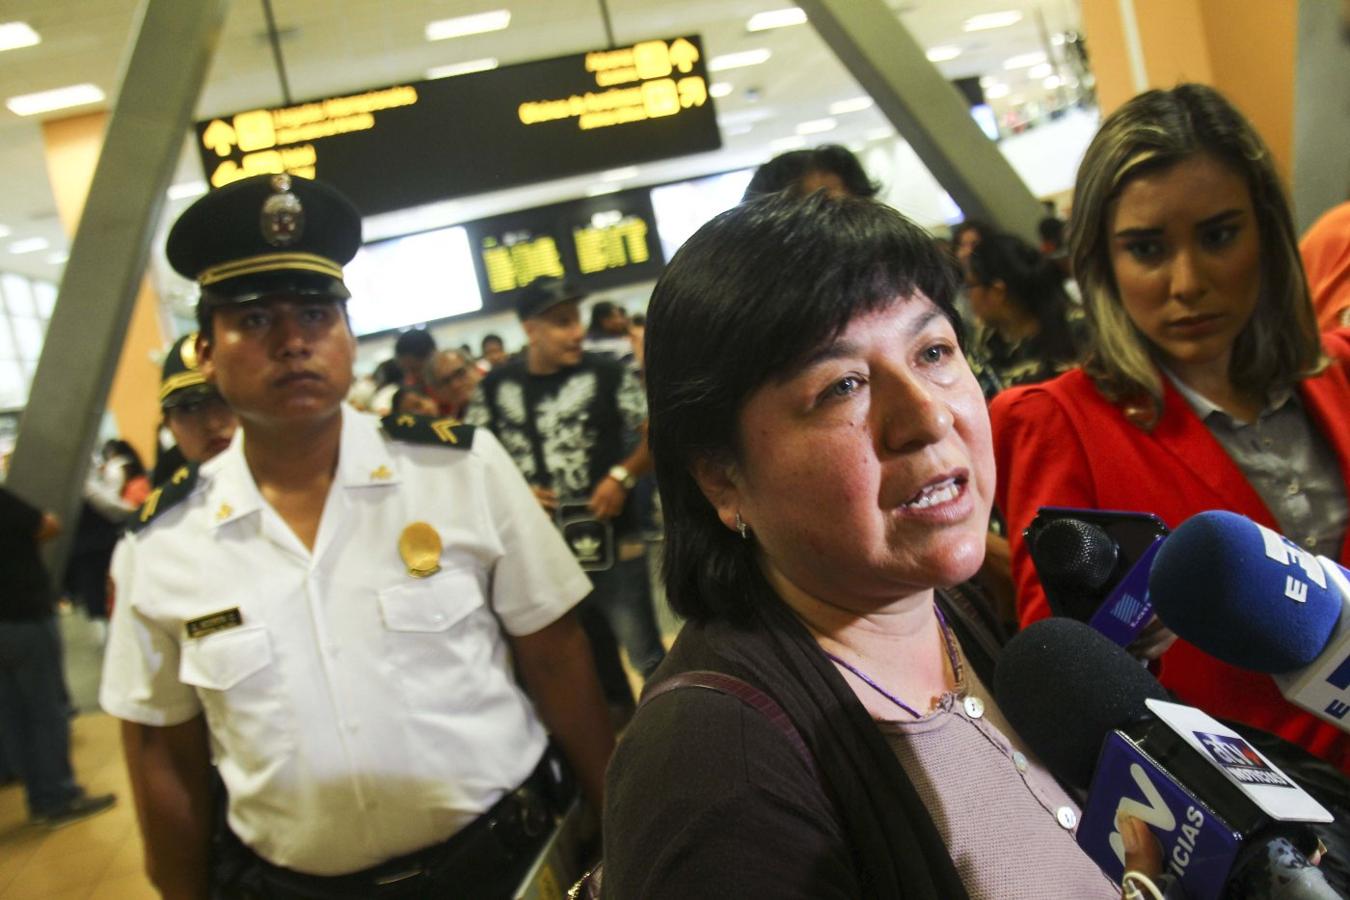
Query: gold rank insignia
pixel 381 474
pixel 420 547
pixel 445 430
pixel 224 512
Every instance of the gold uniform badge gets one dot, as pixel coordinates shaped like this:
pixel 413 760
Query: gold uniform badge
pixel 420 547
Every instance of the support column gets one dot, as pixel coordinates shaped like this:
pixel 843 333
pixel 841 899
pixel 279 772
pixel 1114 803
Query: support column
pixel 172 47
pixel 1245 50
pixel 72 149
pixel 926 110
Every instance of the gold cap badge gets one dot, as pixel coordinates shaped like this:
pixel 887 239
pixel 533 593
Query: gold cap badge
pixel 283 218
pixel 420 547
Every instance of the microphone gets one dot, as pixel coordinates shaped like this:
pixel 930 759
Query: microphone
pixel 1097 719
pixel 1092 575
pixel 1249 596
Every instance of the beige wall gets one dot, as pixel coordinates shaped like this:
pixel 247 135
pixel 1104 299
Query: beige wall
pixel 72 147
pixel 1245 49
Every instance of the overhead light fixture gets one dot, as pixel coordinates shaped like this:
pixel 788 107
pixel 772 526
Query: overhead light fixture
pixel 29 245
pixel 462 26
pixel 187 190
pixel 986 21
pixel 782 145
pixel 14 35
pixel 817 126
pixel 737 130
pixel 746 116
pixel 1041 70
pixel 58 258
pixel 1054 82
pixel 987 80
pixel 851 105
pixel 486 64
pixel 1023 60
pixel 621 174
pixel 943 53
pixel 880 134
pixel 49 101
pixel 776 18
pixel 996 91
pixel 739 60
pixel 720 89
pixel 5 231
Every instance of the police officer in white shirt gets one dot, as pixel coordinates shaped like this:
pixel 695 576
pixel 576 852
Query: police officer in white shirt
pixel 329 610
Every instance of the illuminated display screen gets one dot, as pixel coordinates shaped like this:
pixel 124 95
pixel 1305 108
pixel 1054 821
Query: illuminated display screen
pixel 407 280
pixel 595 243
pixel 411 144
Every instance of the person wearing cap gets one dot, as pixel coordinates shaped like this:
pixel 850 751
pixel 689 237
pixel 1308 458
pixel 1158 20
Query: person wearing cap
pixel 331 608
pixel 575 424
pixel 194 412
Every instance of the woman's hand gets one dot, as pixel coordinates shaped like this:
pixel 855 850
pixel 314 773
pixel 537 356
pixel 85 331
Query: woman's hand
pixel 1152 642
pixel 1143 855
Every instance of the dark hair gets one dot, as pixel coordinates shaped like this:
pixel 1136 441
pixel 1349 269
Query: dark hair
pixel 787 170
pixel 601 311
pixel 416 342
pixel 1051 230
pixel 388 372
pixel 118 447
pixel 1280 343
pixel 979 226
pixel 1034 285
pixel 750 295
pixel 482 345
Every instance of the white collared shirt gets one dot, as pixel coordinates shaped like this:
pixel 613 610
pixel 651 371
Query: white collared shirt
pixel 356 712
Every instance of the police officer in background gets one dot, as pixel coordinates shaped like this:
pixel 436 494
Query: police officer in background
pixel 194 412
pixel 329 608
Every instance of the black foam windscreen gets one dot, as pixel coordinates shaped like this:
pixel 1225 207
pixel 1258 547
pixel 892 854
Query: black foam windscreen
pixel 1073 555
pixel 1063 686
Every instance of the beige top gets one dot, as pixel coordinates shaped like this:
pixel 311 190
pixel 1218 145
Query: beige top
pixel 1008 824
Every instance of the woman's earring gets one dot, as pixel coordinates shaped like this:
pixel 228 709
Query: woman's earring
pixel 741 528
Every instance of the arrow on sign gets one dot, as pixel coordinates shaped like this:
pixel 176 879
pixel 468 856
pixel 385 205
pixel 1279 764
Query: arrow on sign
pixel 683 55
pixel 218 137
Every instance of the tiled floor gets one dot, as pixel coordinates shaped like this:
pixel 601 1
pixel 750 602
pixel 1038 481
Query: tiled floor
pixel 96 859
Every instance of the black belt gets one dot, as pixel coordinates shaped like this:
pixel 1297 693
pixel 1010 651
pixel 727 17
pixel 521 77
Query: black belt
pixel 504 840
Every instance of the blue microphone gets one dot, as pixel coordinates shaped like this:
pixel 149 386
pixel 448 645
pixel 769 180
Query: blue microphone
pixel 1091 714
pixel 1249 596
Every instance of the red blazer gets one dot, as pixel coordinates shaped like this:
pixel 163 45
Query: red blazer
pixel 1061 443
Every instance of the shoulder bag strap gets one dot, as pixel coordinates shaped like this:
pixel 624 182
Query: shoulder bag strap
pixel 748 694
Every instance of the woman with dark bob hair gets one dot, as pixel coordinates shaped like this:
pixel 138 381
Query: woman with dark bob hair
pixel 825 466
pixel 1018 294
pixel 1206 384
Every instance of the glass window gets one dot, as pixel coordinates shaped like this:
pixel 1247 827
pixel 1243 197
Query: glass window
pixel 28 337
pixel 18 295
pixel 44 294
pixel 7 349
pixel 13 384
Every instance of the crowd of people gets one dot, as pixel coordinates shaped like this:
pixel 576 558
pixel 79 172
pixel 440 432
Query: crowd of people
pixel 360 656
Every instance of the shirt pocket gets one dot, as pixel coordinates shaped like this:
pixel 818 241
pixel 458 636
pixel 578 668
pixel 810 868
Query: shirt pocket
pixel 441 637
pixel 434 604
pixel 239 683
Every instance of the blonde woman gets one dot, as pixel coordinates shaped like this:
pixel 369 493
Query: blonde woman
pixel 1207 385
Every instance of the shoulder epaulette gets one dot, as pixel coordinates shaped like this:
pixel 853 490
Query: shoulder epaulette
pixel 445 431
pixel 168 495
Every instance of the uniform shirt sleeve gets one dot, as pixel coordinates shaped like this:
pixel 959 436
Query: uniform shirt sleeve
pixel 537 579
pixel 140 664
pixel 1041 462
pixel 632 401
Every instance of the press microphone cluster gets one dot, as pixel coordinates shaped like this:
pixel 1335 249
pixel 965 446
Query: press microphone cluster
pixel 1230 823
pixel 1254 599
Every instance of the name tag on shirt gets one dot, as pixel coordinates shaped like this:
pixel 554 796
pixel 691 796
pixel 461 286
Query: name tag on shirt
pixel 221 621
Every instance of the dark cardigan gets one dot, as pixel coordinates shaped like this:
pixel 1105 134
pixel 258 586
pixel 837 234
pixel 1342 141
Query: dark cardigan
pixel 707 799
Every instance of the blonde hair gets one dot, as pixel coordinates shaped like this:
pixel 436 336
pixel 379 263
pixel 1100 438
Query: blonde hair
pixel 1280 344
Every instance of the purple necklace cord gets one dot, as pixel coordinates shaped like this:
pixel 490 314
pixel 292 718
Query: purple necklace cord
pixel 951 658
